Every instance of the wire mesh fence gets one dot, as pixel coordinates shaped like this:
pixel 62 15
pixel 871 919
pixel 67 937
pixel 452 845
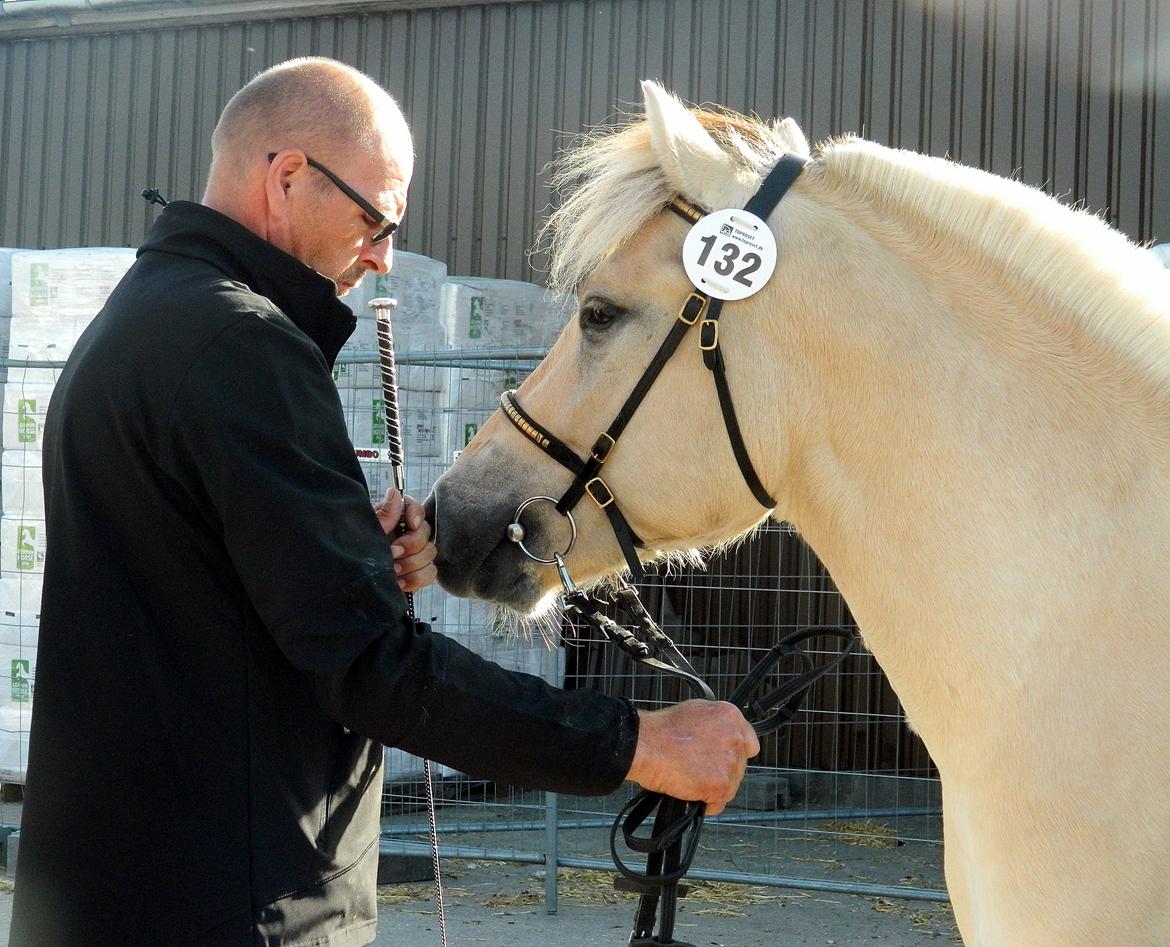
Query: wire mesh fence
pixel 846 777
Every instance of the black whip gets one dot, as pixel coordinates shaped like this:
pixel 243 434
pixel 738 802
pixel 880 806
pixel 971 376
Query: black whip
pixel 382 307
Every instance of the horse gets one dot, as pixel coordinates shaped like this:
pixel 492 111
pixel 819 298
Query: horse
pixel 957 390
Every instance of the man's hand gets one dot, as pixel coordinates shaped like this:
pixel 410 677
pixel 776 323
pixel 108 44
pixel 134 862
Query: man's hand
pixel 414 553
pixel 696 750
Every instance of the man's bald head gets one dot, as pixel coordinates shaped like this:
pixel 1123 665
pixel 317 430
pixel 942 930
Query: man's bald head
pixel 321 106
pixel 310 115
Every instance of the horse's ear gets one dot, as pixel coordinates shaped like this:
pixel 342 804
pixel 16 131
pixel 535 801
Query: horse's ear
pixel 688 156
pixel 790 132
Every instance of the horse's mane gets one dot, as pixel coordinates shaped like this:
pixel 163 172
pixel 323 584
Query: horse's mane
pixel 1071 261
pixel 612 185
pixel 1060 263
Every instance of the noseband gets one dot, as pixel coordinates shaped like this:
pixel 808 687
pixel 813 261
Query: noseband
pixel 699 307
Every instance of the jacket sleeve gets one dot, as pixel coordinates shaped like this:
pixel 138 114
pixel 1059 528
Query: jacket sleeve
pixel 257 436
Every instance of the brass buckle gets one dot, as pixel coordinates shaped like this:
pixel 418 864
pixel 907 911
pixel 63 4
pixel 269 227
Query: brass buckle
pixel 608 495
pixel 601 447
pixel 698 311
pixel 708 343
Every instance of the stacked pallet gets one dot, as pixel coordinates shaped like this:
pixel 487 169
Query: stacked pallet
pixel 53 295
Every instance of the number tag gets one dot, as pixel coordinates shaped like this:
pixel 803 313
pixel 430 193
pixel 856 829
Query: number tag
pixel 730 254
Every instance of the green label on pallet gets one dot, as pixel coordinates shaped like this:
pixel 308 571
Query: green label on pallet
pixel 469 431
pixel 26 421
pixel 26 551
pixel 38 284
pixel 475 323
pixel 21 691
pixel 378 421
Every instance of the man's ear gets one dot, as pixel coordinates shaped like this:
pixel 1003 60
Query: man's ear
pixel 286 172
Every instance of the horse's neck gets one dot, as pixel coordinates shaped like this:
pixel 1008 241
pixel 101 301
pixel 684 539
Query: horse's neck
pixel 959 468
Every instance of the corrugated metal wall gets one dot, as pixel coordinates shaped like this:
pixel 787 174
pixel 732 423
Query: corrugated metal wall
pixel 1073 95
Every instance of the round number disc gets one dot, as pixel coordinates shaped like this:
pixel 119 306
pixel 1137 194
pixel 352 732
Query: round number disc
pixel 730 254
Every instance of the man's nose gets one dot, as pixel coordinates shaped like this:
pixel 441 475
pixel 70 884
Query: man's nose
pixel 379 257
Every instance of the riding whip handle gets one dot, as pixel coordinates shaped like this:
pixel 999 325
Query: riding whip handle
pixel 382 307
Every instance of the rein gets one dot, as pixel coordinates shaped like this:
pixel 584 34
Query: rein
pixel 673 838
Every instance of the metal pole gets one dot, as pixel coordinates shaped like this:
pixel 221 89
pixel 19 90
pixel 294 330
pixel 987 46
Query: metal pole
pixel 548 669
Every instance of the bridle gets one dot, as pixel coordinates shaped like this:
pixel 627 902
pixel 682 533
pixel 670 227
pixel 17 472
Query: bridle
pixel 673 840
pixel 698 308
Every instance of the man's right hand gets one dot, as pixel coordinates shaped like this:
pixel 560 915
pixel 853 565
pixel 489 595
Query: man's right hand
pixel 694 751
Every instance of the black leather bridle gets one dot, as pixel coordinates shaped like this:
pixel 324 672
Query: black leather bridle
pixel 673 839
pixel 698 308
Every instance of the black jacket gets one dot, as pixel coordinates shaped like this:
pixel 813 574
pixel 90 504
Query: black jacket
pixel 223 644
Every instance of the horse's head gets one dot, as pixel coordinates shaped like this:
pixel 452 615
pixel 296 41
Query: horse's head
pixel 672 473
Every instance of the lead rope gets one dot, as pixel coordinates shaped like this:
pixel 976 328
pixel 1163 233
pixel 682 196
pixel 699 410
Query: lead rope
pixel 382 308
pixel 674 836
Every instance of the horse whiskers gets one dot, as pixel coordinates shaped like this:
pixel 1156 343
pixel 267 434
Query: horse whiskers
pixel 512 626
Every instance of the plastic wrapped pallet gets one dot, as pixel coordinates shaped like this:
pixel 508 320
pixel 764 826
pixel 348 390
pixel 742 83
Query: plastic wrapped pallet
pixel 20 597
pixel 422 422
pixel 1162 252
pixel 47 339
pixel 25 403
pixel 462 426
pixel 479 389
pixel 66 284
pixel 474 396
pixel 492 313
pixel 416 281
pixel 366 374
pixel 22 544
pixel 55 295
pixel 18 666
pixel 15 632
pixel 21 486
pixel 22 567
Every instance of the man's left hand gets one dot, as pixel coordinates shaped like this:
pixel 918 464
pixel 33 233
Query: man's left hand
pixel 414 553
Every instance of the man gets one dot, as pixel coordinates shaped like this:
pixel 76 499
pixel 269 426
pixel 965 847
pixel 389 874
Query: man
pixel 224 645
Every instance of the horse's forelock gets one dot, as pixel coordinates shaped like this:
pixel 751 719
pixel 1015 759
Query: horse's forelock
pixel 612 183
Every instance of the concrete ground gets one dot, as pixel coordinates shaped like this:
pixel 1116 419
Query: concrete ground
pixel 502 905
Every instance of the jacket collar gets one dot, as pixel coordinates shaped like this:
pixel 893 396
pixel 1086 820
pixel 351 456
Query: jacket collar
pixel 309 299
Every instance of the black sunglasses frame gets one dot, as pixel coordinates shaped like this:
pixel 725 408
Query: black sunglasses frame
pixel 386 227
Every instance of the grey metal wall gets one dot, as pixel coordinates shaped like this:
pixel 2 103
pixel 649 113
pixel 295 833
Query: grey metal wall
pixel 1073 95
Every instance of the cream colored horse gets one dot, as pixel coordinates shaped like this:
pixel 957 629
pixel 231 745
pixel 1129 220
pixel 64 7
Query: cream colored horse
pixel 959 391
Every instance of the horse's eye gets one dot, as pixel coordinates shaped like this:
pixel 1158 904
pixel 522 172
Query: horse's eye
pixel 596 315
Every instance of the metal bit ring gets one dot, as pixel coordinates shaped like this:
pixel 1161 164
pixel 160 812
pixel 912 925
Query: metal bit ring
pixel 516 532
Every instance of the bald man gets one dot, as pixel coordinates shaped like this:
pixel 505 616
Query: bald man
pixel 224 646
